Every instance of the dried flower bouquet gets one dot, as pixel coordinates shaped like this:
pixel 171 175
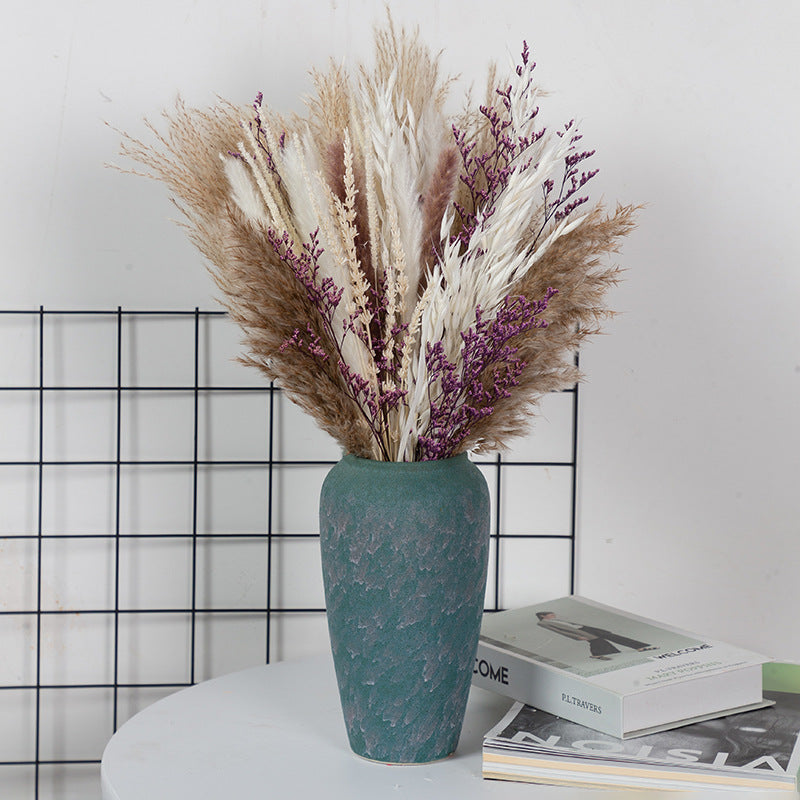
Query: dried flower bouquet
pixel 414 282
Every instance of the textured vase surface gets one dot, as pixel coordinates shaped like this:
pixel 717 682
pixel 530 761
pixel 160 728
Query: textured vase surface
pixel 404 557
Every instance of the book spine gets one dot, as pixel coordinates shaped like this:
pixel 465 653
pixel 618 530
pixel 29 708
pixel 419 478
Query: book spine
pixel 556 692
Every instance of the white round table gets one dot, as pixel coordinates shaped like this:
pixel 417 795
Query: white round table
pixel 277 732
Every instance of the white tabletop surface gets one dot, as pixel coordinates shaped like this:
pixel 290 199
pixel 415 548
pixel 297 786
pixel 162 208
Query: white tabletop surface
pixel 277 731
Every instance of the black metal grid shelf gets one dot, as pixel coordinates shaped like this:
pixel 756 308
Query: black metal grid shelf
pixel 117 388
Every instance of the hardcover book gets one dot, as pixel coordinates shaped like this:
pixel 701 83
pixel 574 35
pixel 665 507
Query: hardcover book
pixel 613 671
pixel 755 750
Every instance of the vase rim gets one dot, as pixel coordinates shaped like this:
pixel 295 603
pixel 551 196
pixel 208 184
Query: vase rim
pixel 376 464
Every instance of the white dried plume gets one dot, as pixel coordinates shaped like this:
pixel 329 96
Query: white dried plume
pixel 244 192
pixel 399 224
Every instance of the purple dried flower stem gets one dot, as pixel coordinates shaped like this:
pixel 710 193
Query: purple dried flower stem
pixel 260 135
pixel 312 346
pixel 561 208
pixel 464 398
pixel 326 296
pixel 497 165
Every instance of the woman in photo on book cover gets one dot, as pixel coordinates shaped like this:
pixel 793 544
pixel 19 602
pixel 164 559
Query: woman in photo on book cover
pixel 599 640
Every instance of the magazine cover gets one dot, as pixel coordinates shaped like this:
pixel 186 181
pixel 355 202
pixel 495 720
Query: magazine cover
pixel 587 639
pixel 763 744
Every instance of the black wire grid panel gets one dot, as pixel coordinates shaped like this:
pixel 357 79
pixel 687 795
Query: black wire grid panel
pixel 157 513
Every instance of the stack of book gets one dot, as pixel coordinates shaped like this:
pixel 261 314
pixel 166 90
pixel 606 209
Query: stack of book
pixel 611 700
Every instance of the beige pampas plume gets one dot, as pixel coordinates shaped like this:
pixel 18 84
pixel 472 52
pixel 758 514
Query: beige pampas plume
pixel 436 200
pixel 415 282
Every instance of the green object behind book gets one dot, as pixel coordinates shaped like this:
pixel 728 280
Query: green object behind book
pixel 781 677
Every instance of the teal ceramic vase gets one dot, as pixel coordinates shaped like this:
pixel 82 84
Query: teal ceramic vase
pixel 405 548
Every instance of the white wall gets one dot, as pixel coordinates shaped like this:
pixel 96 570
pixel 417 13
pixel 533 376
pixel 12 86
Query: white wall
pixel 690 450
pixel 691 441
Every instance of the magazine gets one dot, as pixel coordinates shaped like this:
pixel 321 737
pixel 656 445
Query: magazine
pixel 753 750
